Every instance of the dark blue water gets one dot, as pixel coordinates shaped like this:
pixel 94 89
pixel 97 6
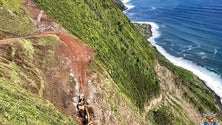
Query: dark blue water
pixel 191 29
pixel 191 34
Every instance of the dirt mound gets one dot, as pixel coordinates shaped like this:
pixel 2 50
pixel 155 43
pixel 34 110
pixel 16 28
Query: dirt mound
pixel 79 55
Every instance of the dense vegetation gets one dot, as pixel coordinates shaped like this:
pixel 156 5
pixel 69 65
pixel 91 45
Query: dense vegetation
pixel 162 116
pixel 119 47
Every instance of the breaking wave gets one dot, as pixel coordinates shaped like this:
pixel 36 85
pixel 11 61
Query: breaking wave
pixel 126 3
pixel 211 79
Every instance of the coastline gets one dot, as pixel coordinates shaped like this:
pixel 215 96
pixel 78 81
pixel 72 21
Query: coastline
pixel 129 6
pixel 210 79
pixel 203 74
pixel 216 97
pixel 154 34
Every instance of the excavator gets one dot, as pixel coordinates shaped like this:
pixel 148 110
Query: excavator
pixel 84 112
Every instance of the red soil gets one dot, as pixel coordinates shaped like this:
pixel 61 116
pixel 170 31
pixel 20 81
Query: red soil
pixel 80 56
pixel 76 56
pixel 73 55
pixel 80 53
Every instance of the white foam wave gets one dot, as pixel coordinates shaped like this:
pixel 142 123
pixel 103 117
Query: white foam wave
pixel 203 55
pixel 215 52
pixel 185 55
pixel 190 48
pixel 153 8
pixel 211 79
pixel 127 4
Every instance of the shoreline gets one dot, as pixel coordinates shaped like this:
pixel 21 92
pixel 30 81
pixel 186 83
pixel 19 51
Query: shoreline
pixel 144 29
pixel 216 97
pixel 149 33
pixel 155 34
pixel 129 6
pixel 212 80
pixel 203 74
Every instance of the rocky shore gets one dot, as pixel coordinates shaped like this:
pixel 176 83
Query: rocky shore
pixel 144 29
pixel 120 5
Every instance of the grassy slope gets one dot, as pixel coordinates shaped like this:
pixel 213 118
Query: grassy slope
pixel 113 100
pixel 13 22
pixel 119 47
pixel 124 52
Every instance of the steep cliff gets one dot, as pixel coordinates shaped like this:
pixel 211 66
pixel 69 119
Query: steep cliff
pixel 61 49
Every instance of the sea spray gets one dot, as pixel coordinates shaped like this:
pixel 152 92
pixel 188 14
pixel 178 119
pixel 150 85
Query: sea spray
pixel 126 3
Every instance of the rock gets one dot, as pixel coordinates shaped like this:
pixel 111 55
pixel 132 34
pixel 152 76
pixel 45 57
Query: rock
pixel 120 5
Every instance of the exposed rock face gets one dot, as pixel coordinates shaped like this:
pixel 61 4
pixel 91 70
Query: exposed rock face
pixel 120 4
pixel 172 94
pixel 144 29
pixel 109 104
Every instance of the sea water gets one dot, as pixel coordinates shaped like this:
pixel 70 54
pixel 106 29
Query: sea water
pixel 186 32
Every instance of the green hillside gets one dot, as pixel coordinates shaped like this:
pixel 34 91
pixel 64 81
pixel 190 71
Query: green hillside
pixel 118 45
pixel 136 68
pixel 124 53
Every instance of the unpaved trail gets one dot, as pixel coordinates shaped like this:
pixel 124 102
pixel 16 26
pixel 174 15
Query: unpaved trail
pixel 67 80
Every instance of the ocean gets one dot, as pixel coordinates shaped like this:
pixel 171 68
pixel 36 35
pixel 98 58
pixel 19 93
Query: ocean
pixel 186 32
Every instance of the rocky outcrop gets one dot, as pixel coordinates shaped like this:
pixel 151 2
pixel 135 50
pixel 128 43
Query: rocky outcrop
pixel 144 29
pixel 120 5
pixel 172 95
